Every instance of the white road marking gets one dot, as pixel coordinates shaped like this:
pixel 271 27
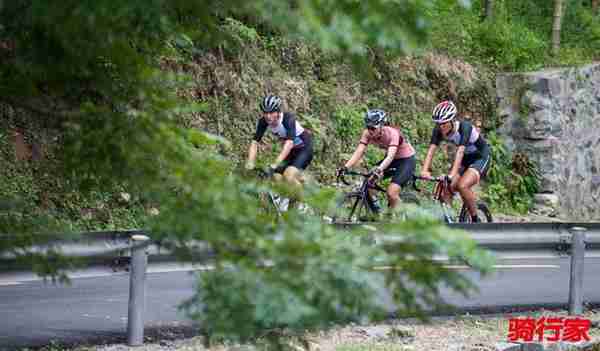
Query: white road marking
pixel 8 283
pixel 509 266
pixel 498 266
pixel 180 269
pixel 18 279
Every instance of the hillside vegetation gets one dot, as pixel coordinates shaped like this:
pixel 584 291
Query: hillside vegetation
pixel 329 95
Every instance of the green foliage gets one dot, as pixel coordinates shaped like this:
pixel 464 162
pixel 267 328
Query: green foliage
pixel 511 181
pixel 519 36
pixel 508 45
pixel 99 74
pixel 348 121
pixel 240 36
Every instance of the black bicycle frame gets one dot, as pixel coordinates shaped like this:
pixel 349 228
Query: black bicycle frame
pixel 363 191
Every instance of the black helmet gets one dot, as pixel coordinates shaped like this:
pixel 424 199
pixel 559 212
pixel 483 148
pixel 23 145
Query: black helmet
pixel 271 103
pixel 375 118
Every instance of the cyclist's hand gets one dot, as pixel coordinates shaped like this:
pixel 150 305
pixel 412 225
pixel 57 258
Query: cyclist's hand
pixel 426 175
pixel 270 170
pixel 376 173
pixel 341 172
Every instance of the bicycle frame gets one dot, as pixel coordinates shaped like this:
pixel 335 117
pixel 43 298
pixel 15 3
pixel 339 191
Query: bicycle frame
pixel 366 184
pixel 442 184
pixel 361 194
pixel 273 199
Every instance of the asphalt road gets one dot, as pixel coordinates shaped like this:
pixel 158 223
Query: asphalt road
pixel 95 304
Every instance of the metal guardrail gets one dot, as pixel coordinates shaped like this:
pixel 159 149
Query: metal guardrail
pixel 561 238
pixel 493 236
pixel 529 236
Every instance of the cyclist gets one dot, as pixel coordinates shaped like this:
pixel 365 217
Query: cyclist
pixel 400 155
pixel 472 160
pixel 297 152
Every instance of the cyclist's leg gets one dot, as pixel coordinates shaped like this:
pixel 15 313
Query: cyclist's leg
pixel 405 169
pixel 278 174
pixel 373 199
pixel 296 161
pixel 476 168
pixel 292 176
pixel 467 162
pixel 469 178
pixel 393 194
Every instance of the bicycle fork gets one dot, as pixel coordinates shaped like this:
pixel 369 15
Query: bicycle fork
pixel 446 212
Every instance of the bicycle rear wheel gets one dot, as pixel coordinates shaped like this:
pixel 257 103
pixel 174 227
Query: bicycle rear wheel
pixel 351 208
pixel 483 213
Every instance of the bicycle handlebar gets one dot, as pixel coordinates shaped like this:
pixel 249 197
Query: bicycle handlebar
pixel 364 175
pixel 443 178
pixel 341 177
pixel 432 179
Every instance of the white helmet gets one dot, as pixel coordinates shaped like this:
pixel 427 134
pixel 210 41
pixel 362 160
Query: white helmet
pixel 444 112
pixel 271 103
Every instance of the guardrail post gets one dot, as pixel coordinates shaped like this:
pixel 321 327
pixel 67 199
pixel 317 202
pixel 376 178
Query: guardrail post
pixel 577 259
pixel 137 291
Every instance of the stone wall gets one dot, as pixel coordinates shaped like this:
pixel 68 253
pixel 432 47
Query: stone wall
pixel 553 117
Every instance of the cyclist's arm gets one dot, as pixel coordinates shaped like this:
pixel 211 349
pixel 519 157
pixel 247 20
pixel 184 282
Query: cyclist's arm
pixel 261 127
pixel 356 156
pixel 460 152
pixel 252 151
pixel 395 140
pixel 388 159
pixel 427 163
pixel 289 123
pixel 287 148
pixel 465 130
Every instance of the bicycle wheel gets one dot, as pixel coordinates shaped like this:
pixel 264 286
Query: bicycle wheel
pixel 351 208
pixel 269 203
pixel 483 213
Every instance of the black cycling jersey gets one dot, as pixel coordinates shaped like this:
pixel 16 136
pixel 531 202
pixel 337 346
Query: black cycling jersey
pixel 466 135
pixel 287 129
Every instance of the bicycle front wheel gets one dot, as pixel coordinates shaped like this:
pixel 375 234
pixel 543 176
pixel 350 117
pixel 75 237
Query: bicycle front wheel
pixel 352 208
pixel 483 213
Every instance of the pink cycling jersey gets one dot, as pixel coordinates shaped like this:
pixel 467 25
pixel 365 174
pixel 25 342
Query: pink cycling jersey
pixel 390 136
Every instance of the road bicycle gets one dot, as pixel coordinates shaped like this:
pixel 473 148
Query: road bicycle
pixel 442 185
pixel 358 205
pixel 271 201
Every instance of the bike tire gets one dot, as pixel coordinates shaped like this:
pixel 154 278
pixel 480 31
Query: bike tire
pixel 351 208
pixel 268 204
pixel 483 212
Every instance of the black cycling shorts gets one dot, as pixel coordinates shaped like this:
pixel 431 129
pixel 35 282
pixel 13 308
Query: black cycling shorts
pixel 401 170
pixel 299 157
pixel 478 161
